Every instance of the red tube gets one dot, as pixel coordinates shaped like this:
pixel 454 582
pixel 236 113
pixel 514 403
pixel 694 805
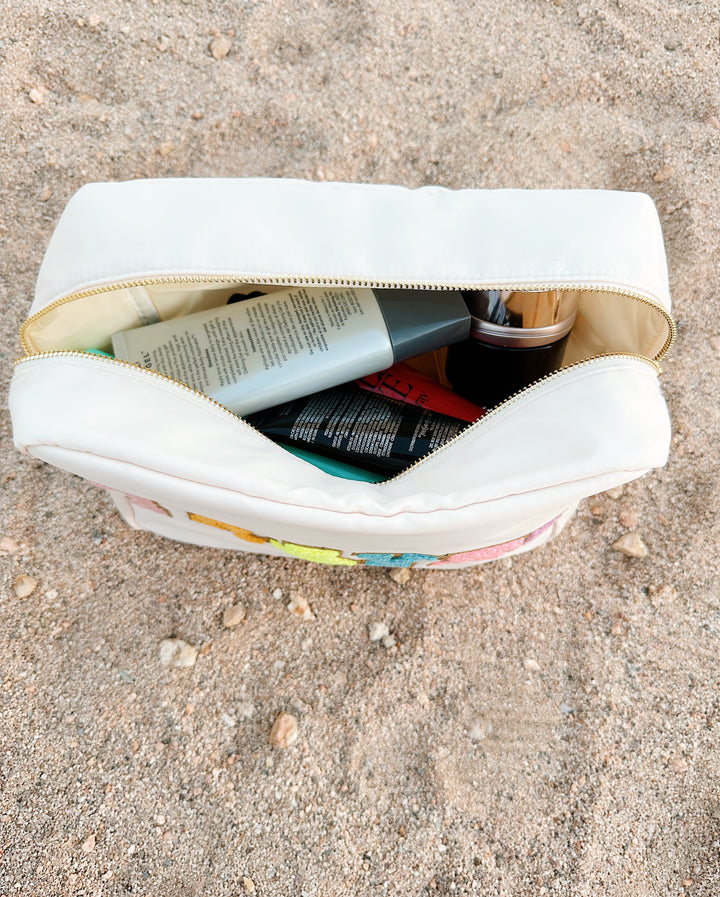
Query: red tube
pixel 404 384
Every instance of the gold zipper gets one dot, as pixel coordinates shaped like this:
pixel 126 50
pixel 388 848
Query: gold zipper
pixel 70 353
pixel 345 282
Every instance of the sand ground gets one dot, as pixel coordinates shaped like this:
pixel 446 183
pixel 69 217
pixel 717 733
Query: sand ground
pixel 547 724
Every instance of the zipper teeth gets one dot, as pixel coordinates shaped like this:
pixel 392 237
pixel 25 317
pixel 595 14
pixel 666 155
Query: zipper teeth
pixel 325 280
pixel 69 353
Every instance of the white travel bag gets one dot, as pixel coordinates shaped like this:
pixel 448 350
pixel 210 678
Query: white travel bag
pixel 181 465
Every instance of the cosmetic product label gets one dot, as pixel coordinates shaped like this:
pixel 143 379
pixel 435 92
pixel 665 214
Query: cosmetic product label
pixel 358 428
pixel 256 353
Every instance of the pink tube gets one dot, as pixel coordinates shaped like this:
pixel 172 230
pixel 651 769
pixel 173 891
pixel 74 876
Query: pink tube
pixel 403 383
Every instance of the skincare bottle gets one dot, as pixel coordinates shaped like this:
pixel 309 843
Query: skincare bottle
pixel 254 354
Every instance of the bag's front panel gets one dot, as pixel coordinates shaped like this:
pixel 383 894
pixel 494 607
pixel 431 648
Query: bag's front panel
pixel 200 529
pixel 193 472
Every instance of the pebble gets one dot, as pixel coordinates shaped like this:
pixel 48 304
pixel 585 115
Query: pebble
pixel 615 493
pixel 400 575
pixel 679 764
pixel 378 631
pixel 249 884
pixel 389 641
pixel 245 710
pixel 277 594
pixel 660 594
pixel 177 652
pixel 298 605
pixel 531 665
pixel 37 94
pixel 566 709
pixel 45 195
pixel 88 845
pixel 479 730
pixel 631 545
pixel 664 173
pixel 284 731
pixel 629 518
pixel 220 46
pixel 8 545
pixel 233 616
pixel 25 586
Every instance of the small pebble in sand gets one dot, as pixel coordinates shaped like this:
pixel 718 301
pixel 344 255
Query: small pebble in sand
pixel 566 709
pixel 249 884
pixel 233 616
pixel 664 174
pixel 37 95
pixel 177 652
pixel 245 710
pixel 389 641
pixel 284 731
pixel 531 665
pixel 25 586
pixel 631 545
pixel 277 594
pixel 8 545
pixel 629 518
pixel 298 605
pixel 615 493
pixel 88 845
pixel 377 631
pixel 479 730
pixel 659 595
pixel 400 575
pixel 220 46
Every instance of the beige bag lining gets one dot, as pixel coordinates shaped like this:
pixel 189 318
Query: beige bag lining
pixel 606 323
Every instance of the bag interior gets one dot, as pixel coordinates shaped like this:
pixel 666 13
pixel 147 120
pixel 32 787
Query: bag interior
pixel 606 322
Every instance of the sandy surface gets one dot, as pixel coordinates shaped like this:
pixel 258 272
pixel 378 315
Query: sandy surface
pixel 546 725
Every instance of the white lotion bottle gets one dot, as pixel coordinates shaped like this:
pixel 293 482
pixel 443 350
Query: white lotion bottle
pixel 254 354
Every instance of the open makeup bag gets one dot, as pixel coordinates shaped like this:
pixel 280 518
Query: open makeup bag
pixel 179 464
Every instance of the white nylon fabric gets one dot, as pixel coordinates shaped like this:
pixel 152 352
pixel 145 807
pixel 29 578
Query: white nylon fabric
pixel 290 228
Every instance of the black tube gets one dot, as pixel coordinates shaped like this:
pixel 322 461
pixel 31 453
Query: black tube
pixel 358 427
